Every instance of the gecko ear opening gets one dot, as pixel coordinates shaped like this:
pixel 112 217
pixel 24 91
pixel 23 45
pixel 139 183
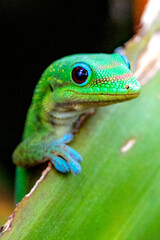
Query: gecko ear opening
pixel 50 86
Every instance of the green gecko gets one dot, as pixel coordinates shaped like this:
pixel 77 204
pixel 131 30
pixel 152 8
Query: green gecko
pixel 70 89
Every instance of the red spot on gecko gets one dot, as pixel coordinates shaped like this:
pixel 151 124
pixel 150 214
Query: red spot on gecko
pixel 123 76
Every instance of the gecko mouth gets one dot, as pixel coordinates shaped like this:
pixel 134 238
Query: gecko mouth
pixel 112 96
pixel 95 100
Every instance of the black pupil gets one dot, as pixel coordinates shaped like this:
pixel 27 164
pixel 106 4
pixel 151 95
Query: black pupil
pixel 79 75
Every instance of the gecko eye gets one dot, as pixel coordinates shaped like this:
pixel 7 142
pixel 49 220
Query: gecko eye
pixel 80 73
pixel 125 59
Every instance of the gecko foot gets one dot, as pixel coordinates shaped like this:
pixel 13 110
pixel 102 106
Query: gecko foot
pixel 64 158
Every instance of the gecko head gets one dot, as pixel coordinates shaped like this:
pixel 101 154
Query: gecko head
pixel 83 81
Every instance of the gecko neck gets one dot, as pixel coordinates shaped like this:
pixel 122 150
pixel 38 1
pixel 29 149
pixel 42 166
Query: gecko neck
pixel 64 122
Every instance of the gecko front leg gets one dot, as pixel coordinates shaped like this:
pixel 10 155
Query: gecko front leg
pixel 31 152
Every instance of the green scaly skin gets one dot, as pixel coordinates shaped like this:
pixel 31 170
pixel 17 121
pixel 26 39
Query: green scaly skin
pixel 59 102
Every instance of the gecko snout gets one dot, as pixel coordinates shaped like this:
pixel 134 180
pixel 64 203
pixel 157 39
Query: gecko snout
pixel 133 88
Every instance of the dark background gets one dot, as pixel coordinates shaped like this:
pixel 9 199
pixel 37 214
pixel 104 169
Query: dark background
pixel 34 33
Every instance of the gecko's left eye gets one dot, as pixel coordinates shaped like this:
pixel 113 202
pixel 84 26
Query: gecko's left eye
pixel 125 59
pixel 81 73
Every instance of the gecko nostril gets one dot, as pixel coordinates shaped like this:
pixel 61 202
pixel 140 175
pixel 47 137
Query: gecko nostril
pixel 127 87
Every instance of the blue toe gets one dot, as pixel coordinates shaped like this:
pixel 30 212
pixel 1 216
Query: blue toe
pixel 74 154
pixel 75 167
pixel 60 164
pixel 66 138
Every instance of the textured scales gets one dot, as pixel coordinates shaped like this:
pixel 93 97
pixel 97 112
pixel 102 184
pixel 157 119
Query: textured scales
pixel 58 102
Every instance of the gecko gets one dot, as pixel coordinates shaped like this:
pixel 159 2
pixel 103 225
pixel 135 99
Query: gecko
pixel 68 91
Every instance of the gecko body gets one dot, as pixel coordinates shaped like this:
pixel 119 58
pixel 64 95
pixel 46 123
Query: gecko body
pixel 69 88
